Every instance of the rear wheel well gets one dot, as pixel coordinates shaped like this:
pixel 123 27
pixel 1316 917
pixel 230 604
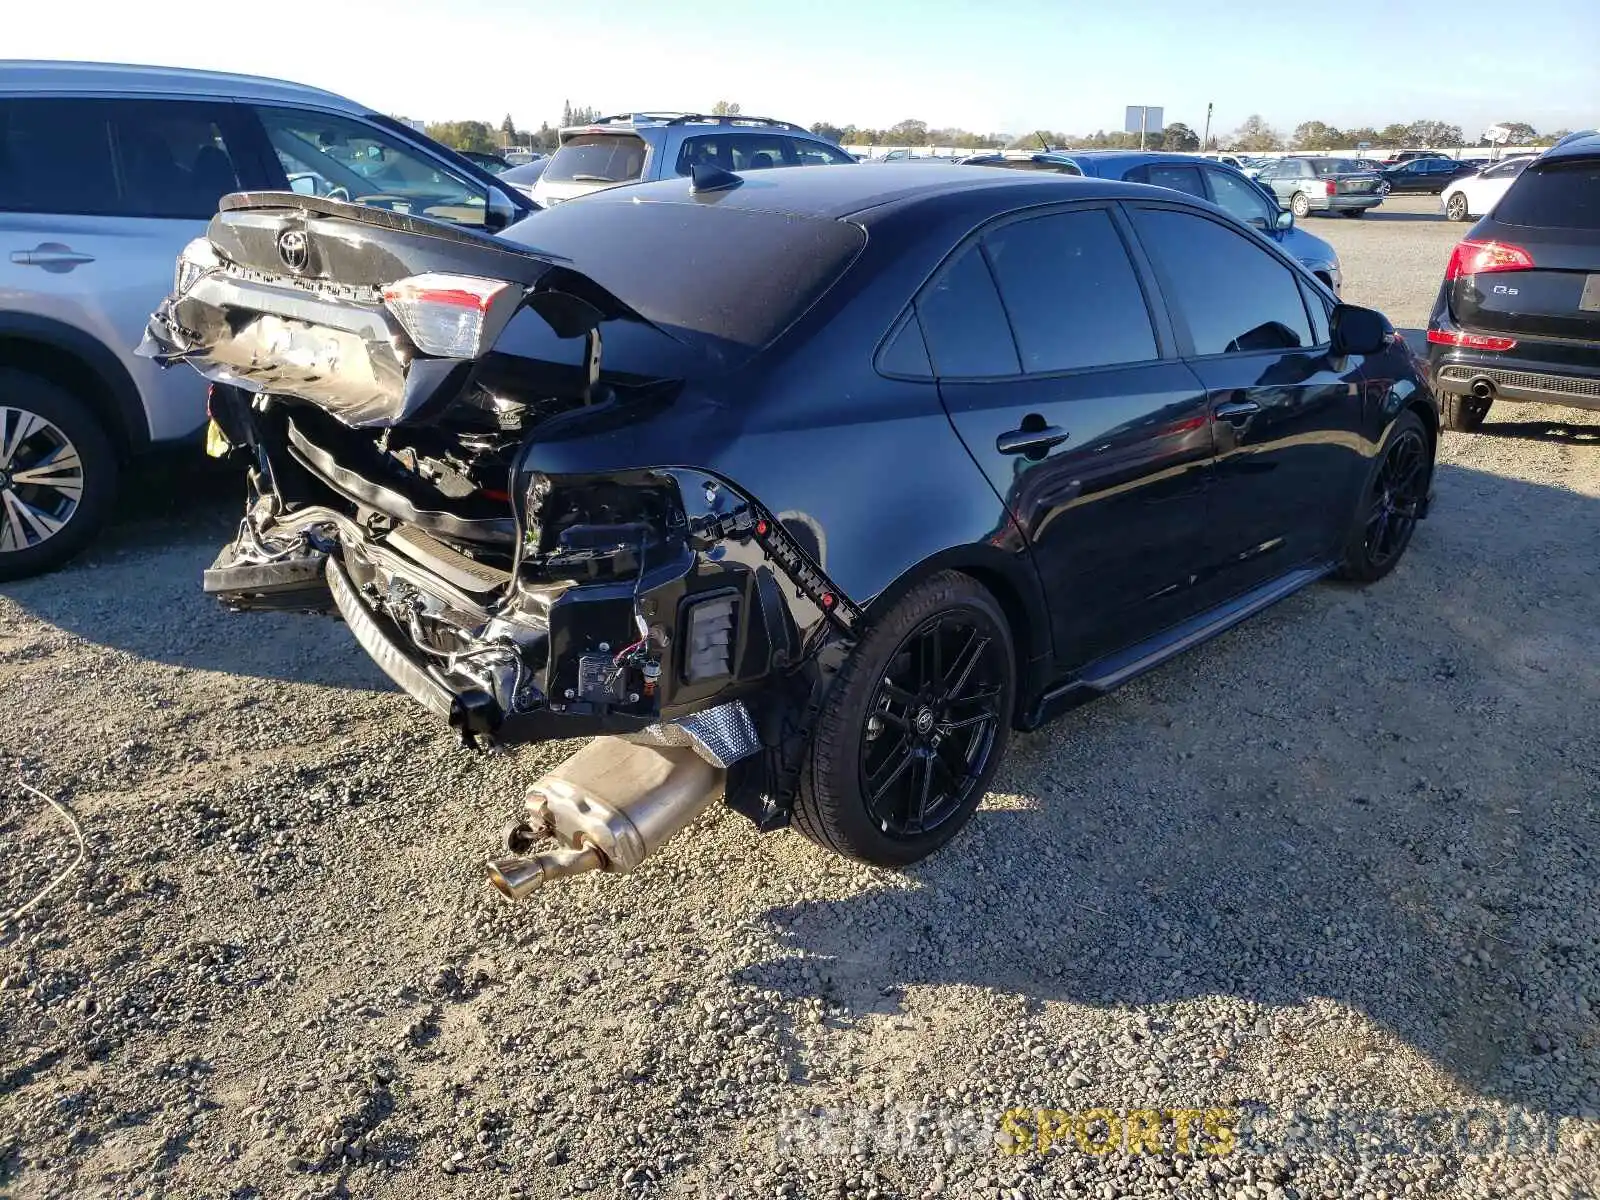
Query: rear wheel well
pixel 1429 417
pixel 71 373
pixel 1029 636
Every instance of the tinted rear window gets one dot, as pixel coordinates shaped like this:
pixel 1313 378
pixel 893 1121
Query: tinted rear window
pixel 1560 195
pixel 1071 293
pixel 597 158
pixel 724 281
pixel 1337 166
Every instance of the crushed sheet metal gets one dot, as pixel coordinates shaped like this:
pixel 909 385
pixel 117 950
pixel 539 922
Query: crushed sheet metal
pixel 721 735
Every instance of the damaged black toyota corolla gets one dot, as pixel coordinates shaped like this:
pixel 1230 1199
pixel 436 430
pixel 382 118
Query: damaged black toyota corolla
pixel 804 489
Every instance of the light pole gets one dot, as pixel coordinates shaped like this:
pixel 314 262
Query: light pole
pixel 1205 142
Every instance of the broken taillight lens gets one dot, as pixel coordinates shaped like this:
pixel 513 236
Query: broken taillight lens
pixel 452 316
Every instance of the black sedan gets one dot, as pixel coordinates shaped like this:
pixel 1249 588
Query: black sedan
pixel 875 467
pixel 1428 175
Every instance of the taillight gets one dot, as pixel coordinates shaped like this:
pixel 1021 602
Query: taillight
pixel 452 316
pixel 1332 187
pixel 1470 341
pixel 1482 258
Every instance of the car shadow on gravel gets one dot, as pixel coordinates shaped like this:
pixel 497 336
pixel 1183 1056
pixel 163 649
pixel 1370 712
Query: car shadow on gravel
pixel 1563 432
pixel 1403 824
pixel 136 589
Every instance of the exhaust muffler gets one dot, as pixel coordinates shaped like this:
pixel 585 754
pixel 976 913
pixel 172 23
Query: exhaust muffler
pixel 609 806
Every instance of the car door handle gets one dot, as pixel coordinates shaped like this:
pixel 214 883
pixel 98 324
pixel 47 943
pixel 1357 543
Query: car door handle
pixel 1236 411
pixel 1021 441
pixel 50 254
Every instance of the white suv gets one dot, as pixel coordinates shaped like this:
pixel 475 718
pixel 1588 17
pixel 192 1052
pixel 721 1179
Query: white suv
pixel 636 147
pixel 106 172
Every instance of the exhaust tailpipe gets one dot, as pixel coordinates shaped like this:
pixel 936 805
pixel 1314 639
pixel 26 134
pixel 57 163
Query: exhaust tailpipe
pixel 1483 389
pixel 610 805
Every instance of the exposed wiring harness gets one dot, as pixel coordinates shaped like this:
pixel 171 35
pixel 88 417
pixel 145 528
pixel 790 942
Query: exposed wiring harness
pixel 644 627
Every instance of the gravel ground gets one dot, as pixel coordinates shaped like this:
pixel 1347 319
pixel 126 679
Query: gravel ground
pixel 1333 873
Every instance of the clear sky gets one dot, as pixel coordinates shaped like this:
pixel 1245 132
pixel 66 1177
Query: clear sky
pixel 1008 65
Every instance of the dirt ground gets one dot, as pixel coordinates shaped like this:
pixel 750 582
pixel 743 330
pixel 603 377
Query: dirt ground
pixel 1331 876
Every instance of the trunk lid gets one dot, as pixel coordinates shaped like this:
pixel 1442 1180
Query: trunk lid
pixel 294 295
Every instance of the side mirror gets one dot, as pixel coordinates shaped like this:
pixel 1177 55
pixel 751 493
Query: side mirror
pixel 1285 221
pixel 1356 330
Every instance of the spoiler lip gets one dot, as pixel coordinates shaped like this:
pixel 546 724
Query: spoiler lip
pixel 422 226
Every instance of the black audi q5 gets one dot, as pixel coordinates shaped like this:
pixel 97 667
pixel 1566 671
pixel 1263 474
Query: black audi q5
pixel 829 479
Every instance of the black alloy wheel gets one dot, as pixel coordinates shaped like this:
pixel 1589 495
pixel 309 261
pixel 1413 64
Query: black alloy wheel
pixel 930 729
pixel 1392 503
pixel 913 727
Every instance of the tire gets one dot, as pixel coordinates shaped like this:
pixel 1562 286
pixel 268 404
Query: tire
pixel 1457 208
pixel 58 475
pixel 880 728
pixel 1300 206
pixel 1391 498
pixel 1463 414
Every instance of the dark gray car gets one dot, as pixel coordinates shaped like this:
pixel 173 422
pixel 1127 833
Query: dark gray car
pixel 1343 185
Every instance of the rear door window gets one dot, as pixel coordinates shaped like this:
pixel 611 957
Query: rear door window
pixel 132 158
pixel 1178 176
pixel 1071 292
pixel 341 158
pixel 737 152
pixel 1557 195
pixel 1233 295
pixel 597 158
pixel 1506 170
pixel 964 323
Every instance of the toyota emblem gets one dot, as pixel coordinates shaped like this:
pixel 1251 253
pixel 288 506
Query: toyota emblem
pixel 295 249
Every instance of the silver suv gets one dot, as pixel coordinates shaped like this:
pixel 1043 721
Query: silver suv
pixel 106 173
pixel 635 147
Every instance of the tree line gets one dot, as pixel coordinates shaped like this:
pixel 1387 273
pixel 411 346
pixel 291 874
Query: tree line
pixel 1254 135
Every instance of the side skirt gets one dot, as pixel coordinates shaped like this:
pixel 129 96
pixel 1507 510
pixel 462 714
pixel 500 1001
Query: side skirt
pixel 1101 676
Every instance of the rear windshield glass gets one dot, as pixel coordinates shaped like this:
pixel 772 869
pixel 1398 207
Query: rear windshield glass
pixel 1337 166
pixel 597 158
pixel 1561 195
pixel 725 281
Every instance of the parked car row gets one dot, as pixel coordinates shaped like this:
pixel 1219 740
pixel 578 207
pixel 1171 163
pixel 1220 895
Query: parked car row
pixel 557 487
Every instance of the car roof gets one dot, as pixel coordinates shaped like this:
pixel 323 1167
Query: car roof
pixel 844 191
pixel 47 78
pixel 1578 145
pixel 1133 158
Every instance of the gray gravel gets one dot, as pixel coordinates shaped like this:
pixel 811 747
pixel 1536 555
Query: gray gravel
pixel 1341 861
